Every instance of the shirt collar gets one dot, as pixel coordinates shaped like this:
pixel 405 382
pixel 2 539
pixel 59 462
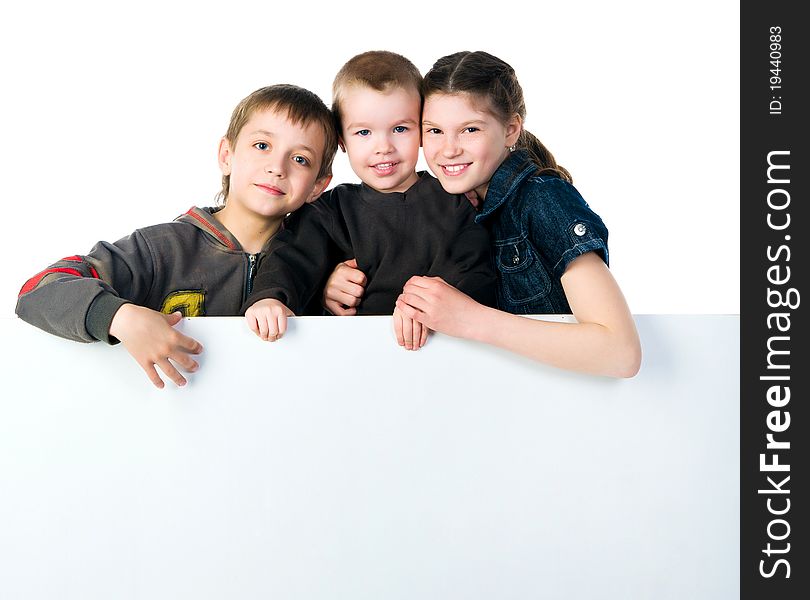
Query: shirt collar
pixel 205 220
pixel 505 181
pixel 371 195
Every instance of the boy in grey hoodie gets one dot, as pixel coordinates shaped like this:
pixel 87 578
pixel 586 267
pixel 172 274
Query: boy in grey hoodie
pixel 276 155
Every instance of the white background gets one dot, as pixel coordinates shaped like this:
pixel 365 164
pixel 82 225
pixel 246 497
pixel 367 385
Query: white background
pixel 111 115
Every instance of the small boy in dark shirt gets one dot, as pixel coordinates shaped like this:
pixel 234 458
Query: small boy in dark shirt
pixel 397 223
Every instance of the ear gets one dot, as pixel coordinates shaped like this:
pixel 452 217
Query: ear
pixel 319 187
pixel 341 144
pixel 513 129
pixel 224 156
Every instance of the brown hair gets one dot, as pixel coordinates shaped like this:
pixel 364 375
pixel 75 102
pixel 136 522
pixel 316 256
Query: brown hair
pixel 301 106
pixel 488 78
pixel 378 69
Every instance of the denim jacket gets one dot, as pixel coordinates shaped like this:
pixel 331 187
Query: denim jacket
pixel 538 224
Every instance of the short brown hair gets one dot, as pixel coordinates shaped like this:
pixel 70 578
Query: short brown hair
pixel 302 108
pixel 378 69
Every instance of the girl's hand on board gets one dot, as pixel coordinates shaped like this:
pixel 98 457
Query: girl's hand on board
pixel 151 339
pixel 344 289
pixel 439 306
pixel 268 319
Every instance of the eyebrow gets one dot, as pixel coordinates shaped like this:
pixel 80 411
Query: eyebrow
pixel 465 124
pixel 367 126
pixel 266 133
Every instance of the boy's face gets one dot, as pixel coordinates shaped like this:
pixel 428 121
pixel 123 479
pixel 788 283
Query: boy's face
pixel 273 164
pixel 381 136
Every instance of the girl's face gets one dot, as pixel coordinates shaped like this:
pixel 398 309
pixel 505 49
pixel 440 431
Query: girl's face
pixel 463 143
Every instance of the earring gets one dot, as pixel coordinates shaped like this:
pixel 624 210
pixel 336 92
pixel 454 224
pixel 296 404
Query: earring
pixel 512 148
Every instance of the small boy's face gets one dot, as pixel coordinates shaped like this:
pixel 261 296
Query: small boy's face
pixel 273 164
pixel 381 136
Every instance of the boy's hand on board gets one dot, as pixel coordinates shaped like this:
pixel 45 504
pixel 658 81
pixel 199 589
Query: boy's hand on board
pixel 410 334
pixel 151 339
pixel 438 305
pixel 344 289
pixel 268 319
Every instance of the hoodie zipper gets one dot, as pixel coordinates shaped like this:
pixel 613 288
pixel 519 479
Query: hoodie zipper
pixel 251 272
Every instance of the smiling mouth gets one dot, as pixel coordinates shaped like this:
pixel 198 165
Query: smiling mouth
pixel 385 168
pixel 270 189
pixel 454 170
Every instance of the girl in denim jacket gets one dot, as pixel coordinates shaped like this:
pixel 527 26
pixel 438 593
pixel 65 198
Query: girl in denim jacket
pixel 550 248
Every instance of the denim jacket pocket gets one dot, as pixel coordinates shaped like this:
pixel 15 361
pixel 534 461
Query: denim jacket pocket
pixel 523 276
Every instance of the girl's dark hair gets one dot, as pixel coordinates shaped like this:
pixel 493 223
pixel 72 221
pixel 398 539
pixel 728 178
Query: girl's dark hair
pixel 493 81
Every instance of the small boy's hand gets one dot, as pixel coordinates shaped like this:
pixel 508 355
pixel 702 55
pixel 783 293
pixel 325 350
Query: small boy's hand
pixel 268 319
pixel 410 334
pixel 151 339
pixel 344 289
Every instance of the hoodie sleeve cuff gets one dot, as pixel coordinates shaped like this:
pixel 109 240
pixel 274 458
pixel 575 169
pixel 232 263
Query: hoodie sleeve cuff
pixel 269 293
pixel 100 315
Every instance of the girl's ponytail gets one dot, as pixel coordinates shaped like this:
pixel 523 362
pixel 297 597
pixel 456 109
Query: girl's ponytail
pixel 540 155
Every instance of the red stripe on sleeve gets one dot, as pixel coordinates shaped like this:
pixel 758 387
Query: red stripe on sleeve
pixel 79 259
pixel 34 281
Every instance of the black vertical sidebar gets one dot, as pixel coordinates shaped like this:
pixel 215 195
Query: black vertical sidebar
pixel 774 173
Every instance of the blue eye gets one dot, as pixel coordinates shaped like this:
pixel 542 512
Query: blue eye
pixel 364 132
pixel 400 129
pixel 301 160
pixel 261 145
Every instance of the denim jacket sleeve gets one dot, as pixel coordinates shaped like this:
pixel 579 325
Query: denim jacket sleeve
pixel 561 225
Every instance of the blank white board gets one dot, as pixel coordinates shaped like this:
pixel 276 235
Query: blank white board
pixel 334 464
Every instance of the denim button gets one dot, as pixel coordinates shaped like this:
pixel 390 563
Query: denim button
pixel 580 229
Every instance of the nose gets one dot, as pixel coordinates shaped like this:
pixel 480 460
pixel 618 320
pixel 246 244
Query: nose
pixel 450 147
pixel 274 167
pixel 384 145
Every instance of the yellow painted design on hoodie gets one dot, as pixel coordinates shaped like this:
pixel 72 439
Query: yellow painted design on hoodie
pixel 189 302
